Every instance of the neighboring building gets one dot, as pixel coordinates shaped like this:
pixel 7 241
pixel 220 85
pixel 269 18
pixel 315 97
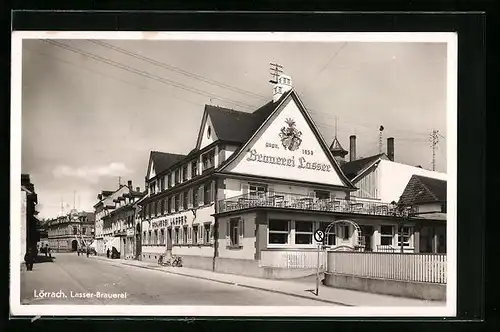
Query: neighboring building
pixel 99 213
pixel 70 232
pixel 428 198
pixel 30 234
pixel 255 186
pixel 119 223
pixel 139 216
pixel 379 177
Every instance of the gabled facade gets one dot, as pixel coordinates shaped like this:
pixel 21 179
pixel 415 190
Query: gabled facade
pixel 255 186
pixel 105 224
pixel 71 232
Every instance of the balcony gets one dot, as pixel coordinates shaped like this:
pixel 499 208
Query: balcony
pixel 304 202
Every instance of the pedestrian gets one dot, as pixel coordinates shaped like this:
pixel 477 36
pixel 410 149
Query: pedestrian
pixel 88 249
pixel 50 253
pixel 28 259
pixel 107 253
pixel 46 250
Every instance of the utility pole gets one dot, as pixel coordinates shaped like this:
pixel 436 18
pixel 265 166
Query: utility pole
pixel 434 139
pixel 119 182
pixel 276 70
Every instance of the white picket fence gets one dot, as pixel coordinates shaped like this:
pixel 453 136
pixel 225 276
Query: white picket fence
pixel 429 268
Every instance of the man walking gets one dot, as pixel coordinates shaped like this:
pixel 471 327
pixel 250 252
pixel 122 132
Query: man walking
pixel 107 253
pixel 29 259
pixel 88 250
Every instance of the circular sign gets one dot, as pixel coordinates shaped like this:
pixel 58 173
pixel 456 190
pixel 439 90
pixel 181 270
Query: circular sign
pixel 319 235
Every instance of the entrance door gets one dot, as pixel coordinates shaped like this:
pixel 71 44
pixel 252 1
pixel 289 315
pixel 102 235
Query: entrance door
pixel 124 248
pixel 74 245
pixel 367 233
pixel 169 239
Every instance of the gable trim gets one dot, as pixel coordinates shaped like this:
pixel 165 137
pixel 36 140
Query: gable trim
pixel 312 126
pixel 365 171
pixel 202 126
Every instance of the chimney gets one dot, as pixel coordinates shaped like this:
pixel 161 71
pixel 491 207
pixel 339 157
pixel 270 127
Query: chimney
pixel 282 85
pixel 138 189
pixel 129 184
pixel 390 148
pixel 352 148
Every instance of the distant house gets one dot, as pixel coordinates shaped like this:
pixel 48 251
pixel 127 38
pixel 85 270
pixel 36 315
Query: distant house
pixel 428 198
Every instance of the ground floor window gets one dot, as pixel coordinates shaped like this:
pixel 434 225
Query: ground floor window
pixel 234 231
pixel 176 235
pixel 195 234
pixel 185 235
pixel 279 231
pixel 162 236
pixel 330 237
pixel 405 233
pixel 303 232
pixel 149 238
pixel 386 235
pixel 155 239
pixel 206 233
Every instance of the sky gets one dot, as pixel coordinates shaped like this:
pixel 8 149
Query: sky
pixel 93 110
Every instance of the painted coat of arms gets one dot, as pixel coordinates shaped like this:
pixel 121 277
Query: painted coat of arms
pixel 290 136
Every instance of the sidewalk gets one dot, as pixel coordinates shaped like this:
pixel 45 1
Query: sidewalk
pixel 327 294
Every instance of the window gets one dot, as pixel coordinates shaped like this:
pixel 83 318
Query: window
pixel 206 233
pixel 177 202
pixel 345 232
pixel 164 206
pixel 235 230
pixel 207 193
pixel 186 200
pixel 159 207
pixel 169 204
pixel 208 160
pixel 185 235
pixel 194 169
pixel 257 190
pixel 303 232
pixel 75 230
pixel 278 231
pixel 162 183
pixel 84 230
pixel 162 236
pixel 185 173
pixel 195 197
pixel 330 238
pixel 153 187
pixel 406 232
pixel 195 234
pixel 155 239
pixel 386 235
pixel 178 176
pixel 169 180
pixel 149 238
pixel 176 235
pixel 322 194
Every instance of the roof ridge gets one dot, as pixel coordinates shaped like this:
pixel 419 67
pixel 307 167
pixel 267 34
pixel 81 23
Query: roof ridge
pixel 417 177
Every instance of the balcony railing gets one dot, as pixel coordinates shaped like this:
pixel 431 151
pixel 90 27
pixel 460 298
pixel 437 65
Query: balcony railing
pixel 304 202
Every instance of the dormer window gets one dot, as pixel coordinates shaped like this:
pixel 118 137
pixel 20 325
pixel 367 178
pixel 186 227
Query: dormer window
pixel 209 132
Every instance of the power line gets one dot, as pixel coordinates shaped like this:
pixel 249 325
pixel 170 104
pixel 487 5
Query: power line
pixel 145 74
pixel 178 70
pixel 106 75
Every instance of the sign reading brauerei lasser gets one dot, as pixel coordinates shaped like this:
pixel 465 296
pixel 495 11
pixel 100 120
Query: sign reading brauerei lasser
pixel 291 140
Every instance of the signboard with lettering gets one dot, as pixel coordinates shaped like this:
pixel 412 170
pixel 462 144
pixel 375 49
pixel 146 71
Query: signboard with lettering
pixel 287 147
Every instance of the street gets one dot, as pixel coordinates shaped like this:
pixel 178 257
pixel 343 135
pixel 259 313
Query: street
pixel 71 279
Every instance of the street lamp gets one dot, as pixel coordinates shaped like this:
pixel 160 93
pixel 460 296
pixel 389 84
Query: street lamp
pixel 403 212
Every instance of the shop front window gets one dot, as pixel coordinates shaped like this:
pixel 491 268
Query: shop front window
pixel 234 231
pixel 386 235
pixel 406 234
pixel 279 231
pixel 303 232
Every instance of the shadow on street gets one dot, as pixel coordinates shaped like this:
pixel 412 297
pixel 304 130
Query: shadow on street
pixel 44 259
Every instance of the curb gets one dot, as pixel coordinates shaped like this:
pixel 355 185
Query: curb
pixel 240 285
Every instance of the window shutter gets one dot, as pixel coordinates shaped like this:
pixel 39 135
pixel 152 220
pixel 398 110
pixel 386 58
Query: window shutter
pixel 201 199
pixel 212 192
pixel 212 234
pixel 228 238
pixel 242 227
pixel 190 198
pixel 181 201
